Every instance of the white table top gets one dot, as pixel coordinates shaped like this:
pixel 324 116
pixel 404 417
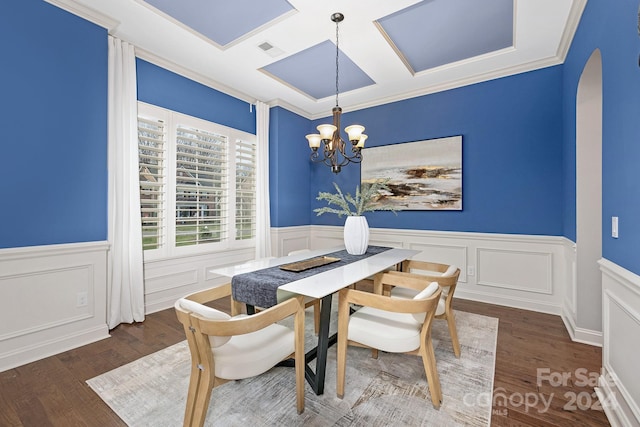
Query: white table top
pixel 328 282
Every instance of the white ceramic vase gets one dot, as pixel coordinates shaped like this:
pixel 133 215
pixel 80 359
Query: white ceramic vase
pixel 356 235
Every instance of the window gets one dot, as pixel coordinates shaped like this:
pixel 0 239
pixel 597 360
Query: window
pixel 197 183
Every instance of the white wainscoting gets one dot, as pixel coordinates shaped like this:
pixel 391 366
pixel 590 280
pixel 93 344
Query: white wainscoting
pixel 52 299
pixel 166 281
pixel 527 272
pixel 619 384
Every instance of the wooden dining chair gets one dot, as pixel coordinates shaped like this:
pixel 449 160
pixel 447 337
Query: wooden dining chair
pixel 390 324
pixel 447 277
pixel 308 301
pixel 225 348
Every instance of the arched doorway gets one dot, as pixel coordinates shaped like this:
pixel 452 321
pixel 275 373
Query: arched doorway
pixel 588 286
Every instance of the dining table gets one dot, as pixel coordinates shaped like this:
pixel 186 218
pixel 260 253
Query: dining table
pixel 267 281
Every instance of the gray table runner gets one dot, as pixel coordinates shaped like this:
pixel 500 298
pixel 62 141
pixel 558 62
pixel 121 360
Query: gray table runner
pixel 259 287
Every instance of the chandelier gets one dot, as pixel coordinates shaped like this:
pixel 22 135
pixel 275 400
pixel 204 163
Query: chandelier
pixel 334 148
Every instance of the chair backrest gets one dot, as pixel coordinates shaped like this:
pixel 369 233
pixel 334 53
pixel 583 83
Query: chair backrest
pixel 208 328
pixel 208 313
pixel 422 306
pixel 445 274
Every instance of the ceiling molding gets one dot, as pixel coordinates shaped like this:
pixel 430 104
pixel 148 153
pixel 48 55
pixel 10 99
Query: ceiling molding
pixel 237 71
pixel 290 107
pixel 575 14
pixel 192 75
pixel 86 12
pixel 505 72
pixel 397 51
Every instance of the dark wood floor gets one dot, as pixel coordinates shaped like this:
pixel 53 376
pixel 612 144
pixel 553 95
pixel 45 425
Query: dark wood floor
pixel 53 392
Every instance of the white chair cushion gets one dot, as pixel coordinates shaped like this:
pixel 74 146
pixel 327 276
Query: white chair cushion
pixel 425 293
pixel 447 273
pixel 209 314
pixel 450 271
pixel 408 293
pixel 428 291
pixel 252 354
pixel 384 330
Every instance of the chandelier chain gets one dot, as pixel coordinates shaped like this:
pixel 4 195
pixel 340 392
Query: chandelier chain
pixel 327 146
pixel 337 62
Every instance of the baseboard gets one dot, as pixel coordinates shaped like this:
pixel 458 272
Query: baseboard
pixel 506 301
pixel 34 352
pixel 618 413
pixel 581 335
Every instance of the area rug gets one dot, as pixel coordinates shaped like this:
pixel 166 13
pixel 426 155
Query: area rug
pixel 389 391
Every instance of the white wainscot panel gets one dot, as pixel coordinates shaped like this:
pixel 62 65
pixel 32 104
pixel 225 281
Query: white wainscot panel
pixel 295 244
pixel 52 299
pixel 623 338
pixel 24 293
pixel 287 239
pixel 619 389
pixel 170 279
pixel 444 254
pixel 518 270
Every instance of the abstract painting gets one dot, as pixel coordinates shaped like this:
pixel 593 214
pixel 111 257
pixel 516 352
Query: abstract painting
pixel 423 175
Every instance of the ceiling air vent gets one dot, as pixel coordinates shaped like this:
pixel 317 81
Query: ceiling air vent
pixel 270 49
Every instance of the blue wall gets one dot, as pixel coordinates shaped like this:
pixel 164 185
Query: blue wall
pixel 53 105
pixel 165 89
pixel 289 184
pixel 612 28
pixel 512 154
pixel 518 136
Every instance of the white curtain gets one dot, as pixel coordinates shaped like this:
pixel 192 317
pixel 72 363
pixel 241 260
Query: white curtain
pixel 125 286
pixel 263 216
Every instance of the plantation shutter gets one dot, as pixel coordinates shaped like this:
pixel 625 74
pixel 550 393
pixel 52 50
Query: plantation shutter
pixel 201 186
pixel 245 190
pixel 151 146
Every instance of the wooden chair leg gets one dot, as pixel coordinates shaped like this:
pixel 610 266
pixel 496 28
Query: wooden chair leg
pixel 451 321
pixel 374 353
pixel 431 371
pixel 194 383
pixel 236 307
pixel 202 400
pixel 299 360
pixel 316 316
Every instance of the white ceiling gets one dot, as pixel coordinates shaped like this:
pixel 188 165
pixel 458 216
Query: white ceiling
pixel 542 32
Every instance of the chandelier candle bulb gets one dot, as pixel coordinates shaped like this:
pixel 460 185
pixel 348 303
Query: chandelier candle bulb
pixel 363 138
pixel 314 140
pixel 326 131
pixel 354 132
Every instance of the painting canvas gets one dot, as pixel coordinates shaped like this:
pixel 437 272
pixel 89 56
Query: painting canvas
pixel 423 175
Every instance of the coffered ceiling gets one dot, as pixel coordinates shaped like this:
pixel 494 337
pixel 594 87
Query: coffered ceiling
pixel 283 51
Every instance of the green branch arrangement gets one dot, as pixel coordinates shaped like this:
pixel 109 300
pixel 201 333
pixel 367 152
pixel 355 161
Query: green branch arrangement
pixel 365 200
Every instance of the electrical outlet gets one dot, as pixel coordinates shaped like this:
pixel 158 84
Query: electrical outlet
pixel 471 270
pixel 614 227
pixel 81 300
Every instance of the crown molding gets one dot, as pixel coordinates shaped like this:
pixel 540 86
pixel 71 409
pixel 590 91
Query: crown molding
pixel 504 72
pixel 296 110
pixel 86 12
pixel 573 20
pixel 192 75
